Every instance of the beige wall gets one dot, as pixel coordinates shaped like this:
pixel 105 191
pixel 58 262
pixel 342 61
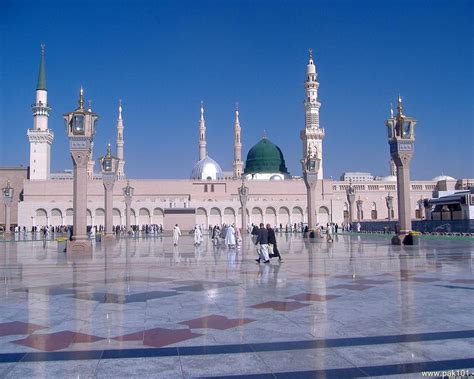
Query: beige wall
pixel 16 175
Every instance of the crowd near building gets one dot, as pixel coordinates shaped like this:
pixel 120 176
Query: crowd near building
pixel 210 196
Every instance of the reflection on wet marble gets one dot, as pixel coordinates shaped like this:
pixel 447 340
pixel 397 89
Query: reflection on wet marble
pixel 139 307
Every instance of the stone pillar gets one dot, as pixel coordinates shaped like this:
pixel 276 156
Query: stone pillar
pixel 311 181
pixel 243 195
pixel 8 204
pixel 109 205
pixel 128 203
pixel 80 159
pixel 403 192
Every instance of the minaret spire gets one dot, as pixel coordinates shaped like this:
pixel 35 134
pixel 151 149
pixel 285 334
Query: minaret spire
pixel 120 143
pixel 237 164
pixel 202 134
pixel 41 85
pixel 313 134
pixel 40 136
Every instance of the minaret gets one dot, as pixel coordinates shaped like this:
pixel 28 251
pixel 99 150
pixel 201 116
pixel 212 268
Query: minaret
pixel 312 135
pixel 393 166
pixel 91 163
pixel 202 135
pixel 40 137
pixel 238 164
pixel 121 163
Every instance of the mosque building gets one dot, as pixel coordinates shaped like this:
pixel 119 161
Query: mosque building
pixel 210 195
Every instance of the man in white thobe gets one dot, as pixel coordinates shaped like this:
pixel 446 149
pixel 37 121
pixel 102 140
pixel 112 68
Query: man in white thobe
pixel 176 234
pixel 230 237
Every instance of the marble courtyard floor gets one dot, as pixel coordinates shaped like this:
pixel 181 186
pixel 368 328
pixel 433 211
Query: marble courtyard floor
pixel 141 308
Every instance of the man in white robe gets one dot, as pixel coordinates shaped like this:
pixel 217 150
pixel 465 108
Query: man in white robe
pixel 176 234
pixel 230 237
pixel 197 235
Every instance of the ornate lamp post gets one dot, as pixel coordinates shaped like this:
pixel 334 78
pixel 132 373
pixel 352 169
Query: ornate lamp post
pixel 243 194
pixel 7 194
pixel 351 194
pixel 128 195
pixel 109 166
pixel 389 203
pixel 401 138
pixel 80 128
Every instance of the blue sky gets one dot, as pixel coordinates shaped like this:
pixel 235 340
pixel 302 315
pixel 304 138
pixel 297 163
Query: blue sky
pixel 162 58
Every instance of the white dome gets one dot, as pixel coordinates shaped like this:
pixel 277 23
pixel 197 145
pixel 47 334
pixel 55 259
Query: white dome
pixel 390 178
pixel 206 169
pixel 442 177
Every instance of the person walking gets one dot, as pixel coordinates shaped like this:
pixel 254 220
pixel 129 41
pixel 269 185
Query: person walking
pixel 273 242
pixel 230 237
pixel 197 236
pixel 262 239
pixel 176 234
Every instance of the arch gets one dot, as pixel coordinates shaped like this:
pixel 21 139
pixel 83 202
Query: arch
pixel 89 217
pixel 99 216
pixel 229 216
pixel 69 215
pixel 345 214
pixel 284 216
pixel 41 217
pixel 323 216
pixel 133 217
pixel 56 217
pixel 158 216
pixel 270 216
pixel 116 216
pixel 257 215
pixel 143 216
pixel 297 215
pixel 201 217
pixel 215 216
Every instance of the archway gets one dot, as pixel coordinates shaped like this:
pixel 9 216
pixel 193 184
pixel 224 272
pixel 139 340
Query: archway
pixel 323 216
pixel 116 217
pixel 270 216
pixel 229 216
pixel 158 218
pixel 373 211
pixel 99 217
pixel 284 216
pixel 215 217
pixel 41 217
pixel 56 217
pixel 297 215
pixel 201 217
pixel 257 216
pixel 69 215
pixel 89 217
pixel 143 216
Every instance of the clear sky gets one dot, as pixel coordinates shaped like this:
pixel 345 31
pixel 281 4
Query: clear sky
pixel 162 58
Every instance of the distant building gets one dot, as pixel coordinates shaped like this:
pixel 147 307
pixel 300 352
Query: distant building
pixel 357 177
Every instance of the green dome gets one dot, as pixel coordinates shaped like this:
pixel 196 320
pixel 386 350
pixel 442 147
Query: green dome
pixel 265 157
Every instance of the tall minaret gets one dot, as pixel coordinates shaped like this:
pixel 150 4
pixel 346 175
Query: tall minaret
pixel 40 136
pixel 312 135
pixel 121 163
pixel 202 135
pixel 393 166
pixel 91 163
pixel 238 164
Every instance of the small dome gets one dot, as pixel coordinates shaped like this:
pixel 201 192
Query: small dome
pixel 207 169
pixel 442 177
pixel 265 157
pixel 390 178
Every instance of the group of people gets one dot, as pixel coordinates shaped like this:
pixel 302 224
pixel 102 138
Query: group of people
pixel 265 240
pixel 229 234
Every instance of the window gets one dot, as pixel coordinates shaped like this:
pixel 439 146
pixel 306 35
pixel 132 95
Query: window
pixel 212 187
pixel 205 187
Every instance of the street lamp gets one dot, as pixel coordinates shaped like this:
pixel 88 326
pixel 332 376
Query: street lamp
pixel 350 195
pixel 109 166
pixel 401 138
pixel 389 203
pixel 128 195
pixel 243 194
pixel 80 128
pixel 7 195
